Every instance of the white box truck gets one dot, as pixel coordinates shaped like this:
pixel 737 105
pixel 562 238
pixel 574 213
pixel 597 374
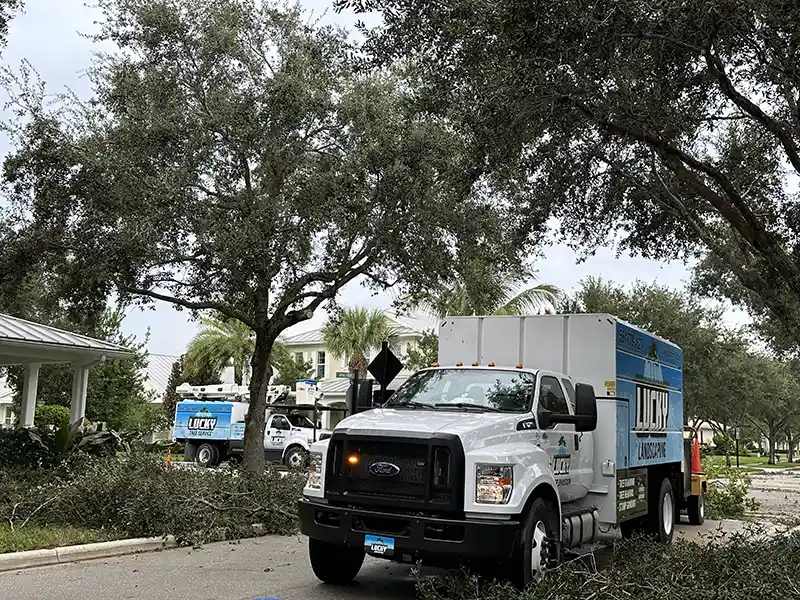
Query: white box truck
pixel 533 436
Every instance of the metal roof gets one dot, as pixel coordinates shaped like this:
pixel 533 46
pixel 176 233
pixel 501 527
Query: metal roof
pixel 156 373
pixel 33 341
pixel 404 326
pixel 338 387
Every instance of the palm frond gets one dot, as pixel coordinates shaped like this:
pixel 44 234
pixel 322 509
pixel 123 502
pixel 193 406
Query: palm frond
pixel 532 300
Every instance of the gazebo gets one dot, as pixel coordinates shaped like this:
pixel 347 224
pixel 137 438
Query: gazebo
pixel 33 345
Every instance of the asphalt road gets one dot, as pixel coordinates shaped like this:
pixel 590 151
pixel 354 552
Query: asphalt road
pixel 269 567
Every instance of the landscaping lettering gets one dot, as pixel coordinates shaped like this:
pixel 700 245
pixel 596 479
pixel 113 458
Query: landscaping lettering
pixel 652 450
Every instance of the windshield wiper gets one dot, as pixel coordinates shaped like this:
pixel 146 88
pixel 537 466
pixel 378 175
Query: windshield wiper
pixel 412 404
pixel 467 405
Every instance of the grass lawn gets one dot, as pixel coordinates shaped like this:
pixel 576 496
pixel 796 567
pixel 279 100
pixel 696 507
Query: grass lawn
pixel 751 463
pixel 36 537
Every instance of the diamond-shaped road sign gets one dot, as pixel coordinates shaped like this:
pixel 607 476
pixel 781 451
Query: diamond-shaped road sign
pixel 385 366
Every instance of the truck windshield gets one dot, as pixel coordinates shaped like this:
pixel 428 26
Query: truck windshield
pixel 491 390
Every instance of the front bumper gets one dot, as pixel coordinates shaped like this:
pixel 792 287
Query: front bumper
pixel 430 539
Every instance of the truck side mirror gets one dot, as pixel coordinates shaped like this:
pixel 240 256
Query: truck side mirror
pixel 585 408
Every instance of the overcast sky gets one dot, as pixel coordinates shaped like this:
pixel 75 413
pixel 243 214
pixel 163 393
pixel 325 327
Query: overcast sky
pixel 48 35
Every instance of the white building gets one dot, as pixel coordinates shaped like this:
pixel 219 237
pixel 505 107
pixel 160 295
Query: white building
pixel 6 413
pixel 309 346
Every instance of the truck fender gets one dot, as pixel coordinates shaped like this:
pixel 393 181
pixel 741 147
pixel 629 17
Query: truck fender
pixel 294 442
pixel 543 487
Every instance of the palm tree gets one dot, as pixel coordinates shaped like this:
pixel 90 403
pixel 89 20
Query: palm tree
pixel 480 289
pixel 354 331
pixel 219 342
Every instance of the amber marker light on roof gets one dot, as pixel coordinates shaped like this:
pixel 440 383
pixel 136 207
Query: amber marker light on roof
pixel 519 366
pixel 475 364
pixel 435 364
pixel 491 364
pixel 459 364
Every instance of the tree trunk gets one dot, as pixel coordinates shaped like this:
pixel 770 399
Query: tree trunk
pixel 358 362
pixel 790 441
pixel 253 458
pixel 771 443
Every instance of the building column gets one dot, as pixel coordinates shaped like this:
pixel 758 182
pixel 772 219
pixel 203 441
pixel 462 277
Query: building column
pixel 30 387
pixel 80 380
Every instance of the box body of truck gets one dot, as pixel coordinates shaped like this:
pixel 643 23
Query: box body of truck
pixel 637 376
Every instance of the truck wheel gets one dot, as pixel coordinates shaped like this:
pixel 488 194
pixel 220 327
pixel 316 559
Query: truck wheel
pixel 539 550
pixel 332 563
pixel 296 458
pixel 207 455
pixel 697 509
pixel 662 521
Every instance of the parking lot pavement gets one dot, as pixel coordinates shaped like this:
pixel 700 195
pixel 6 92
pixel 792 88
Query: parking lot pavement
pixel 269 567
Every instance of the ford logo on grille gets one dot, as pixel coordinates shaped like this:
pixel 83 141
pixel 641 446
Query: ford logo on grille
pixel 384 469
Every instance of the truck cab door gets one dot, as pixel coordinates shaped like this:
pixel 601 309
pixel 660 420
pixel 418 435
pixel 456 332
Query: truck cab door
pixel 562 443
pixel 275 434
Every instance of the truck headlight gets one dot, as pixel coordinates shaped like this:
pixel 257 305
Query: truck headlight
pixel 314 481
pixel 493 484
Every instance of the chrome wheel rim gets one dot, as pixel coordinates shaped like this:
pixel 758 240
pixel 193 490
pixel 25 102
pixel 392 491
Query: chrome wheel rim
pixel 701 505
pixel 538 549
pixel 296 460
pixel 668 514
pixel 204 456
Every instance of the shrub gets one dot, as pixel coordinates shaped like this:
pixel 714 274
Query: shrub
pixel 728 495
pixel 738 567
pixel 20 450
pixel 51 415
pixel 137 494
pixel 724 445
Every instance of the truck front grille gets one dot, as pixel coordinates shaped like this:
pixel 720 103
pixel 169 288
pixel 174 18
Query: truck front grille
pixel 415 474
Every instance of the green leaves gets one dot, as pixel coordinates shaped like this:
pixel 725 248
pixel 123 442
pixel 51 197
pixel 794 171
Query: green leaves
pixel 668 129
pixel 480 287
pixel 353 332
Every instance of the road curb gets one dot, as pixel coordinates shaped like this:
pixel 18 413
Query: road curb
pixel 67 554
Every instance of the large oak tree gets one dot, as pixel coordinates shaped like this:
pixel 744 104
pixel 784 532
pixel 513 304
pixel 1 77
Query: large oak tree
pixel 671 126
pixel 233 160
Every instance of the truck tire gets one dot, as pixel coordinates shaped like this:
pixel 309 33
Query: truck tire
pixel 539 549
pixel 207 455
pixel 296 458
pixel 697 509
pixel 662 520
pixel 332 563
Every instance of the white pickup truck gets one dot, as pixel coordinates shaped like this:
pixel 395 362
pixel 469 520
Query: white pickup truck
pixel 533 436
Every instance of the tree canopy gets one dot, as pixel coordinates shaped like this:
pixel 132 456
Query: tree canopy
pixel 671 127
pixel 233 159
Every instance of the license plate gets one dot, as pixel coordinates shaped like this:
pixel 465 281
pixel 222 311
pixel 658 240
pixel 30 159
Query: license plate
pixel 379 545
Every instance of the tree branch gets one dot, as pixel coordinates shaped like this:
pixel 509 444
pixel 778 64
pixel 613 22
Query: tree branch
pixel 778 129
pixel 208 305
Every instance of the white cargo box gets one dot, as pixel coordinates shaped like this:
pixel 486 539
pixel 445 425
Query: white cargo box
pixel 642 372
